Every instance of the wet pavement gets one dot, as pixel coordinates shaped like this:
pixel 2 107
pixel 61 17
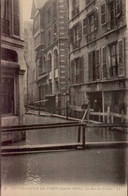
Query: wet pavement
pixel 91 166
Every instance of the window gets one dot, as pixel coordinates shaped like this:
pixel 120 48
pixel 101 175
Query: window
pixel 49 62
pixel 16 18
pixel 9 55
pixel 113 60
pixel 75 7
pixel 77 70
pixel 85 27
pixel 36 23
pixel 40 66
pixel 44 64
pixel 7 95
pixel 55 31
pixel 111 24
pixel 121 58
pixel 49 15
pixel 5 16
pixel 56 86
pixel 50 88
pixel 110 11
pixel 94 65
pixel 90 25
pixel 76 35
pixel 55 59
pixel 104 62
pixel 49 37
pixel 118 8
pixel 103 14
pixel 97 64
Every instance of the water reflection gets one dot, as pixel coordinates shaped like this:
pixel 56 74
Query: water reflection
pixel 89 166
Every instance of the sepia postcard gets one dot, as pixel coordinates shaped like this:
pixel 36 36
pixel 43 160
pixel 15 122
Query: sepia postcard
pixel 64 97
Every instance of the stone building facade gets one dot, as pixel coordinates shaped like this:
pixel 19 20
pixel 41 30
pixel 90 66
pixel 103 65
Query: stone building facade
pixel 50 26
pixel 30 91
pixel 99 54
pixel 12 65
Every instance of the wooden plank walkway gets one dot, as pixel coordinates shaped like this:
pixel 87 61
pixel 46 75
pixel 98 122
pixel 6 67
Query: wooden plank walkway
pixel 26 149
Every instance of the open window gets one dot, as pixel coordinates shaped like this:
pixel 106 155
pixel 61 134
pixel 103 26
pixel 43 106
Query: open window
pixel 90 26
pixel 110 12
pixel 76 35
pixel 94 65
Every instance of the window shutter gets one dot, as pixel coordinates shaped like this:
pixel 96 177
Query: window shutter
pixel 121 57
pixel 72 74
pixel 71 36
pixel 90 66
pixel 103 14
pixel 96 20
pixel 104 62
pixel 46 63
pixel 80 31
pixel 97 63
pixel 82 69
pixel 118 8
pixel 85 26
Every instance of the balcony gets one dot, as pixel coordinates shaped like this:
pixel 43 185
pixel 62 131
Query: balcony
pixel 5 27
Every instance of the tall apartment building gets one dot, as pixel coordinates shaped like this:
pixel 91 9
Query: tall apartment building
pixel 99 53
pixel 29 55
pixel 12 63
pixel 50 31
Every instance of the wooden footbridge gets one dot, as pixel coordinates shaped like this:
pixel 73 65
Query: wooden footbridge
pixel 80 144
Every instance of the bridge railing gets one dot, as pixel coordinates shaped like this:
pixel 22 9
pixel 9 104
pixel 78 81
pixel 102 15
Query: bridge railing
pixel 78 112
pixel 81 132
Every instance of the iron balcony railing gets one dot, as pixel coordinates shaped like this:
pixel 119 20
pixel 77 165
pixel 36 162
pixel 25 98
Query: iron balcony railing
pixel 5 26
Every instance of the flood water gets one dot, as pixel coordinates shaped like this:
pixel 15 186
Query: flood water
pixel 65 134
pixel 102 167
